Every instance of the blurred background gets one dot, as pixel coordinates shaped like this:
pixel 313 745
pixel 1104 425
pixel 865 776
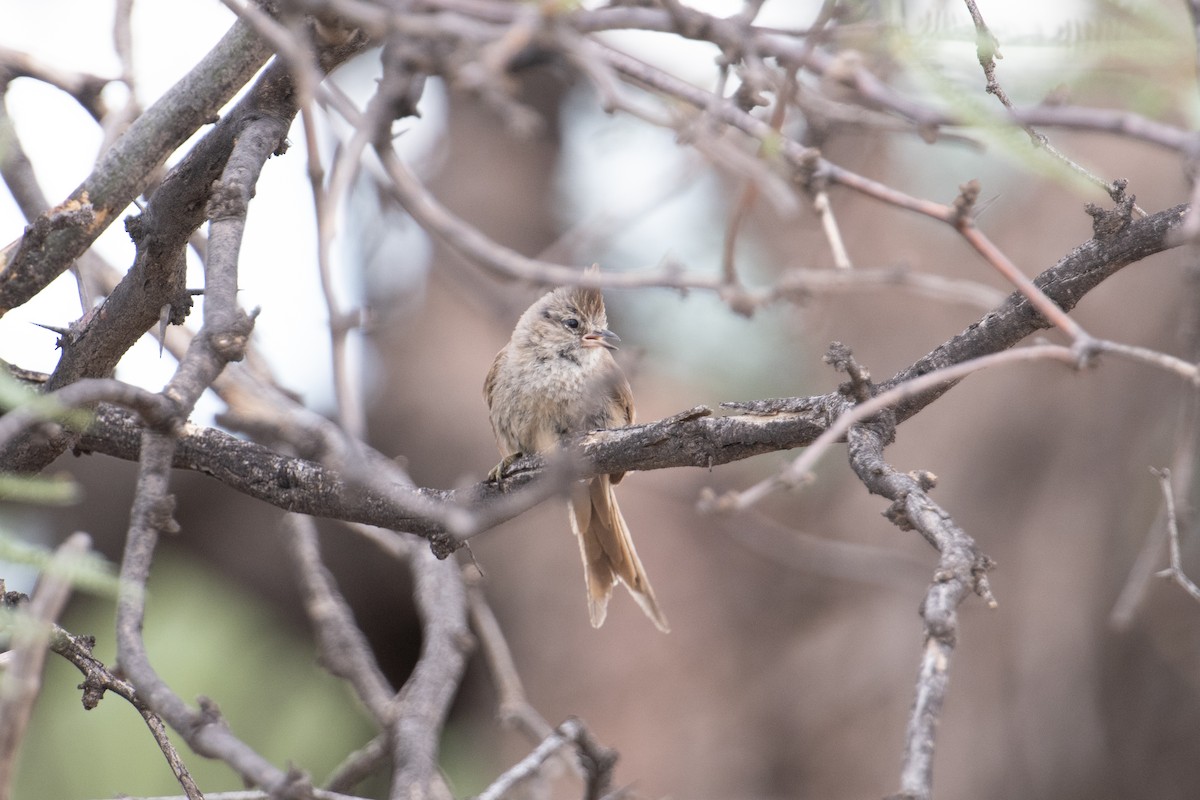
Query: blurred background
pixel 795 637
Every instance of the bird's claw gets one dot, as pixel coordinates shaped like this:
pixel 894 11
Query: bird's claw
pixel 497 472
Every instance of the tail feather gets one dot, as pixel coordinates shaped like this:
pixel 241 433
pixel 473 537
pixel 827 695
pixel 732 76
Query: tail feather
pixel 608 552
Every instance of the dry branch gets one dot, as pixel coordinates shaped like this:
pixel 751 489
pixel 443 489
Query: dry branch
pixel 692 439
pixel 481 46
pixel 126 169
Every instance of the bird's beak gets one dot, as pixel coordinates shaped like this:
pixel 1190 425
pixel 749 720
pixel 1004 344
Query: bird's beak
pixel 601 338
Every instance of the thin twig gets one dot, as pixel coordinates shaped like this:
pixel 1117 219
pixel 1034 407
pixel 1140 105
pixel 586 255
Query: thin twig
pixel 155 410
pixel 962 570
pixel 797 472
pixel 98 679
pixel 1182 466
pixel 964 222
pixel 987 48
pixel 597 762
pixel 116 122
pixel 85 88
pixel 359 765
pixel 1175 571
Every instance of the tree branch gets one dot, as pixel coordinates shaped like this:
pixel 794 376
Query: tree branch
pixel 962 569
pixel 693 438
pixel 98 679
pixel 154 287
pixel 126 168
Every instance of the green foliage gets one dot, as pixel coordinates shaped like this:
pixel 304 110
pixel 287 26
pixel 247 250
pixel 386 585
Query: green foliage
pixel 42 490
pixel 1095 56
pixel 36 489
pixel 88 571
pixel 14 394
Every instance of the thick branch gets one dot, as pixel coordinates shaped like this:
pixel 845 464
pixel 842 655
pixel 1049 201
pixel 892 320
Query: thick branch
pixel 127 167
pixel 177 208
pixel 1066 283
pixel 154 288
pixel 691 439
pixel 221 339
pixel 424 701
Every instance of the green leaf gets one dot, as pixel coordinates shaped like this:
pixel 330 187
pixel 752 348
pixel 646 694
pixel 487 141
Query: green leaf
pixel 43 490
pixel 89 571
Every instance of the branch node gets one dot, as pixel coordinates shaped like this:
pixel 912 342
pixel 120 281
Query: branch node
pixel 443 545
pixel 162 515
pixel 859 387
pixel 740 302
pixel 230 343
pixel 93 687
pixel 228 199
pixel 210 712
pixel 897 514
pixel 1108 224
pixel 964 204
pixel 979 576
pixel 924 478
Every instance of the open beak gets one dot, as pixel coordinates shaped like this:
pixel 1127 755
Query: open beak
pixel 601 338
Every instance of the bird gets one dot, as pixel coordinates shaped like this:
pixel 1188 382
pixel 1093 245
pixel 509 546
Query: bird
pixel 557 377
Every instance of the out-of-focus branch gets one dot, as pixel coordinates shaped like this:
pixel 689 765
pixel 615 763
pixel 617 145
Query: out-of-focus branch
pixel 15 167
pixel 596 761
pixel 87 89
pixel 31 634
pixel 874 92
pixel 489 254
pixel 987 48
pixel 359 765
pixel 420 710
pixel 1182 465
pixel 115 122
pixel 512 706
pixel 1175 571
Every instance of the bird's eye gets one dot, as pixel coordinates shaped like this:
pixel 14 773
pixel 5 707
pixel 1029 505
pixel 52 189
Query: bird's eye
pixel 571 323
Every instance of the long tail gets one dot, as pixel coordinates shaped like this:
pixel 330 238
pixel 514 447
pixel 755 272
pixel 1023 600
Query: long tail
pixel 608 552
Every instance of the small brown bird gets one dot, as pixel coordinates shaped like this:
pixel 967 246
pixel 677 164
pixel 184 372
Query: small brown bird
pixel 554 378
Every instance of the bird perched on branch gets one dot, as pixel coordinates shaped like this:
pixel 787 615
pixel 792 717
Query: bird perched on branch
pixel 557 377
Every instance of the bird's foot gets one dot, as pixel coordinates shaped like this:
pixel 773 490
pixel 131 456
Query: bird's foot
pixel 497 473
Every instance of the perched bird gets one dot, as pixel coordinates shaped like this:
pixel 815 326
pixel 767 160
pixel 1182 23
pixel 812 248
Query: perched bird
pixel 557 377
